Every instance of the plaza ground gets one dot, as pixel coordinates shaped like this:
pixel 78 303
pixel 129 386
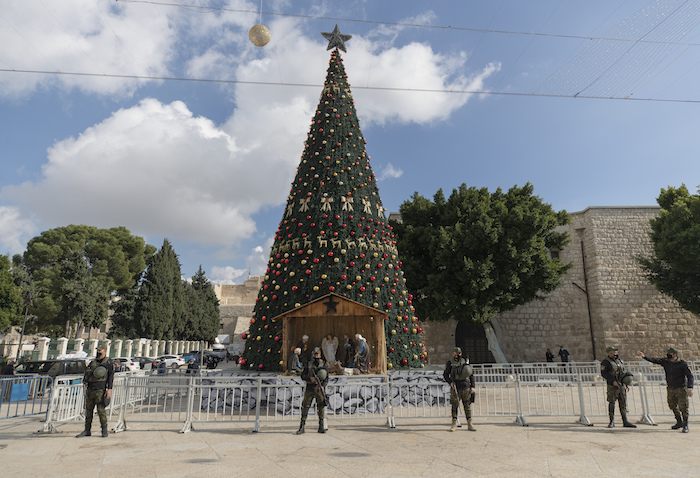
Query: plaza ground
pixel 353 448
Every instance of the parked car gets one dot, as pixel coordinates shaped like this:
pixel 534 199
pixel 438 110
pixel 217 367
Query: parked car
pixel 191 355
pixel 142 361
pixel 172 361
pixel 52 368
pixel 126 364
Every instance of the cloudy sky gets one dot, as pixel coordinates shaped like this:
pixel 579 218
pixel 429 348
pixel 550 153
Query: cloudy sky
pixel 163 117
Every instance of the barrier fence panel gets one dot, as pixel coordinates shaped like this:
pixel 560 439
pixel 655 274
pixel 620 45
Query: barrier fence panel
pixel 279 398
pixel 67 402
pixel 155 399
pixel 24 395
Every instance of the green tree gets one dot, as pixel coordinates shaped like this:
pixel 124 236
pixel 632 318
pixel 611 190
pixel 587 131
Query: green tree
pixel 160 307
pixel 115 258
pixel 674 266
pixel 10 297
pixel 479 253
pixel 124 314
pixel 84 298
pixel 334 237
pixel 202 316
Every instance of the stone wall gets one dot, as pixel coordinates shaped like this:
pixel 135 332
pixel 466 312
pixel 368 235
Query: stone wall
pixel 236 304
pixel 625 309
pixel 439 340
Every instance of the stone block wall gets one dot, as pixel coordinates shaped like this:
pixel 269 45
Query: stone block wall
pixel 625 309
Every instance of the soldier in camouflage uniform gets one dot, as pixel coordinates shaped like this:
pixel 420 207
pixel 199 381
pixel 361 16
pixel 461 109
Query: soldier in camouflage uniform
pixel 315 374
pixel 613 371
pixel 98 380
pixel 679 385
pixel 458 373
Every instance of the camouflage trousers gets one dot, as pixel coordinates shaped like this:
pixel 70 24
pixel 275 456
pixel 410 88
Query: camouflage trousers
pixel 677 398
pixel 614 393
pixel 309 396
pixel 95 398
pixel 465 396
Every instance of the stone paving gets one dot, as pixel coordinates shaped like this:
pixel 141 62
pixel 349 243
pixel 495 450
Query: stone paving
pixel 364 448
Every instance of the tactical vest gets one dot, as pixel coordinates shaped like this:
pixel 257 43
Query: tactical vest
pixel 94 365
pixel 461 370
pixel 616 365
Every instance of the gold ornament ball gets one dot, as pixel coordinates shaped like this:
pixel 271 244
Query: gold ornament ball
pixel 259 35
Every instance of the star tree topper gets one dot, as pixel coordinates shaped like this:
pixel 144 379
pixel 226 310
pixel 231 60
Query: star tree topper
pixel 336 39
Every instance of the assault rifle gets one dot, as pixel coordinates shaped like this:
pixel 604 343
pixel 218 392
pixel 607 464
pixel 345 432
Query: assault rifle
pixel 320 384
pixel 472 396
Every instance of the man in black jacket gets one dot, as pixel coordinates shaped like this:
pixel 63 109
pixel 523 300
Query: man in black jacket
pixel 679 385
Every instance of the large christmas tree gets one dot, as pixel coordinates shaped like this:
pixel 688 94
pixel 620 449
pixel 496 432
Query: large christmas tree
pixel 334 236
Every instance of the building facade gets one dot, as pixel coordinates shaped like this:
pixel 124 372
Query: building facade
pixel 603 300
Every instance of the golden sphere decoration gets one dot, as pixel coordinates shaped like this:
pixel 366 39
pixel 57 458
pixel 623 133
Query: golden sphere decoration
pixel 259 35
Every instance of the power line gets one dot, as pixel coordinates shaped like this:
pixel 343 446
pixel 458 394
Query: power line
pixel 412 25
pixel 311 85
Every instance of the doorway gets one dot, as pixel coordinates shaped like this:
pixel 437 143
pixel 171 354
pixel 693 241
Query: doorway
pixel 471 338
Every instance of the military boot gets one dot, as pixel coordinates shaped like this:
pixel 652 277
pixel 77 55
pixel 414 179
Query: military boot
pixel 301 427
pixel 685 424
pixel 626 423
pixel 679 421
pixel 611 414
pixel 454 425
pixel 321 428
pixel 86 432
pixel 105 433
pixel 470 427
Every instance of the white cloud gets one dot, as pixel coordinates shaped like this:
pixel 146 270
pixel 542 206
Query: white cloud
pixel 389 172
pixel 14 230
pixel 155 168
pixel 256 265
pixel 102 37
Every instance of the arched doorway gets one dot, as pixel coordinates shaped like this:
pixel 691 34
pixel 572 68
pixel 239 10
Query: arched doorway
pixel 472 340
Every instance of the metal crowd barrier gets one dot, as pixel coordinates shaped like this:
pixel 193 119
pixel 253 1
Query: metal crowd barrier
pixel 24 395
pixel 518 391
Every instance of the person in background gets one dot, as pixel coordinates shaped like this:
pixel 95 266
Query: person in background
pixel 549 355
pixel 679 385
pixel 563 354
pixel 192 366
